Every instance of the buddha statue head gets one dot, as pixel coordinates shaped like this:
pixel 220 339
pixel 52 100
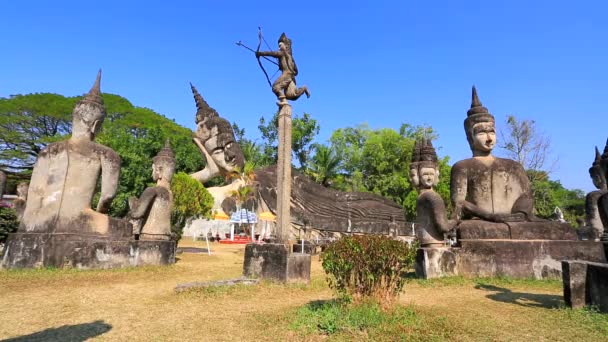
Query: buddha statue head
pixel 89 113
pixel 426 161
pixel 598 176
pixel 217 136
pixel 163 164
pixel 480 127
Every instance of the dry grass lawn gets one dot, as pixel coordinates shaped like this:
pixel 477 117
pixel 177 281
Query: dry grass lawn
pixel 140 304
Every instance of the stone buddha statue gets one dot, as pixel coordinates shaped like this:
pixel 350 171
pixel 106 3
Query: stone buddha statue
pixel 215 138
pixel 431 214
pixel 592 214
pixel 66 175
pixel 151 213
pixel 492 196
pixel 487 187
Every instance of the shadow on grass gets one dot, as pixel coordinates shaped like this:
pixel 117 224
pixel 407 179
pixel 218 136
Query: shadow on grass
pixel 521 298
pixel 77 332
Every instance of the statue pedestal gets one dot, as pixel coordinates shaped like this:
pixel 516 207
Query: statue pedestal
pixel 539 259
pixel 274 261
pixel 27 250
pixel 585 283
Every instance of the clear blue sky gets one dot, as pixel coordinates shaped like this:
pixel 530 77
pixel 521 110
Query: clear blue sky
pixel 381 62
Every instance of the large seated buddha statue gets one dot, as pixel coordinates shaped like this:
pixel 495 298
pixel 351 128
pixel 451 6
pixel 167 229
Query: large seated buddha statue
pixel 491 195
pixel 66 175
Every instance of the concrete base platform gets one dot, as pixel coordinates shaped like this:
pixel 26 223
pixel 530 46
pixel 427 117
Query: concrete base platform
pixel 33 250
pixel 539 259
pixel 585 283
pixel 275 262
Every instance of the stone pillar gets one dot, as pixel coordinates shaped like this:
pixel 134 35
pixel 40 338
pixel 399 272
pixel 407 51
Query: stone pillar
pixel 284 172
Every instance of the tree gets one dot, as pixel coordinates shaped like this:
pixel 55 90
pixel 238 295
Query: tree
pixel 28 123
pixel 190 200
pixel 304 130
pixel 324 165
pixel 378 161
pixel 523 142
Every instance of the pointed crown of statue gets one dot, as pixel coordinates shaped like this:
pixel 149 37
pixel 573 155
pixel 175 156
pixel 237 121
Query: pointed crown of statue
pixel 203 110
pixel 596 169
pixel 283 39
pixel 424 154
pixel 165 155
pixel 91 108
pixel 476 114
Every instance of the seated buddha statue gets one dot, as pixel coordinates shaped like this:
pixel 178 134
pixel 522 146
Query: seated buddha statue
pixel 151 213
pixel 66 176
pixel 431 214
pixel 491 195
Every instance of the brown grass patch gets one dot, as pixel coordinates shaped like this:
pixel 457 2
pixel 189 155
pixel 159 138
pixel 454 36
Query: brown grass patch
pixel 139 304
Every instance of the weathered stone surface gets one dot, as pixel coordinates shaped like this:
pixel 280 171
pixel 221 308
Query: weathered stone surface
pixel 276 262
pixel 231 282
pixel 585 283
pixel 66 175
pixel 215 138
pixel 151 213
pixel 326 209
pixel 26 250
pixel 541 230
pixel 431 214
pixel 539 259
pixel 436 262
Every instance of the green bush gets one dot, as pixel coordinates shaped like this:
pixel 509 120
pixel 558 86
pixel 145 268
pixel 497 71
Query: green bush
pixel 190 199
pixel 368 267
pixel 8 222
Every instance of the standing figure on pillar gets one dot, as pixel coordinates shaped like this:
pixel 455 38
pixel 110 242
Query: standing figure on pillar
pixel 285 87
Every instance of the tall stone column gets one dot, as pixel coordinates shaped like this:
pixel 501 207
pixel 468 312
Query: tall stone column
pixel 284 172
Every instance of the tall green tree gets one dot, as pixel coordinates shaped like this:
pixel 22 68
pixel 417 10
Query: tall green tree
pixel 28 123
pixel 378 161
pixel 304 130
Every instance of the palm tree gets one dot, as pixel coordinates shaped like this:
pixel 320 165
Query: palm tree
pixel 324 165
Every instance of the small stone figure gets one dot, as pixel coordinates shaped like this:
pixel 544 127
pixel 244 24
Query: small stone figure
pixel 151 213
pixel 285 87
pixel 487 187
pixel 431 214
pixel 66 176
pixel 592 214
pixel 21 200
pixel 215 138
pixel 2 184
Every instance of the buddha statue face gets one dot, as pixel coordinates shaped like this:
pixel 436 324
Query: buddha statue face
pixel 483 137
pixel 429 177
pixel 221 145
pixel 162 170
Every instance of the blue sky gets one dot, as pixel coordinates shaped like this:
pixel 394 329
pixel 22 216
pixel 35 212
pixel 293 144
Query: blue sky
pixel 381 62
